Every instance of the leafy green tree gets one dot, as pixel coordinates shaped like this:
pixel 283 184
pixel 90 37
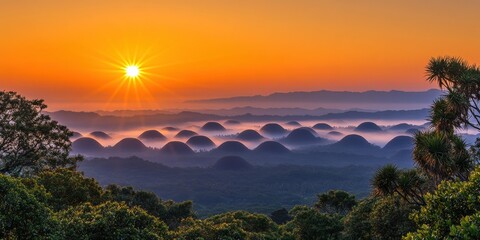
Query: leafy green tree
pixel 357 224
pixel 69 188
pixel 110 220
pixel 280 216
pixel 310 224
pixel 231 225
pixel 469 228
pixel 22 215
pixel 450 211
pixel 168 211
pixel 195 229
pixel 335 201
pixel 390 218
pixel 379 218
pixel 29 140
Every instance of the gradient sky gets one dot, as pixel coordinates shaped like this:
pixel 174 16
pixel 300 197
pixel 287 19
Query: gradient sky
pixel 70 52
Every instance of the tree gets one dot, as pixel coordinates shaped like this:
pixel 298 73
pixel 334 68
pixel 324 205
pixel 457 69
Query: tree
pixel 229 226
pixel 335 201
pixel 442 156
pixel 110 220
pixel 29 140
pixel 168 211
pixel 357 224
pixel 280 216
pixel 68 188
pixel 22 214
pixel 410 185
pixel 452 210
pixel 379 218
pixel 390 218
pixel 460 107
pixel 310 224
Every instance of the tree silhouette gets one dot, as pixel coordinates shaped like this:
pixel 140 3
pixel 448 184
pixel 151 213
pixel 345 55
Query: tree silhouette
pixel 462 82
pixel 29 140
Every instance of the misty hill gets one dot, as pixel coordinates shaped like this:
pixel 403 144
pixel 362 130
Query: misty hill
pixel 129 145
pixel 152 135
pixel 271 147
pixel 398 143
pixel 335 133
pixel 232 147
pixel 232 163
pixel 322 126
pixel 368 127
pixel 76 135
pixel 185 134
pixel 100 135
pixel 249 135
pixel 213 126
pixel 176 148
pixel 86 145
pixel 293 124
pixel 353 143
pixel 301 136
pixel 333 98
pixel 273 129
pixel 200 141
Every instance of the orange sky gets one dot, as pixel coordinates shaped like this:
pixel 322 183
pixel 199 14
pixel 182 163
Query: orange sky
pixel 65 51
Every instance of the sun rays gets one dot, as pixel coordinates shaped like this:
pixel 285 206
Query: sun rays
pixel 134 74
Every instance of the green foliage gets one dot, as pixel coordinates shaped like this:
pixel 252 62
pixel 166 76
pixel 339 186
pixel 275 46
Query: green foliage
pixel 335 201
pixel 390 218
pixel 231 225
pixel 68 188
pixel 310 224
pixel 357 223
pixel 408 184
pixel 170 212
pixel 460 106
pixel 110 220
pixel 280 216
pixel 22 215
pixel 379 218
pixel 454 203
pixel 469 228
pixel 442 156
pixel 29 140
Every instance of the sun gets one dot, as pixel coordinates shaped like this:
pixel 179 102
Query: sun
pixel 132 71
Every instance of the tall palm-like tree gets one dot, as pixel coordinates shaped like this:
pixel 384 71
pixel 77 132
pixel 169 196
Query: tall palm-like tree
pixel 410 185
pixel 462 82
pixel 442 156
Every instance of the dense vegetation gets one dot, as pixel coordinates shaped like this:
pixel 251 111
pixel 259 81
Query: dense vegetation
pixel 261 189
pixel 42 196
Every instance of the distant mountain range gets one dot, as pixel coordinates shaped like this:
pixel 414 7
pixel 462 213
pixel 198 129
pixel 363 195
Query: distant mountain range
pixel 95 121
pixel 333 99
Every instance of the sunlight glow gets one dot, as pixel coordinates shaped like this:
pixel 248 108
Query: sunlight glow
pixel 132 71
